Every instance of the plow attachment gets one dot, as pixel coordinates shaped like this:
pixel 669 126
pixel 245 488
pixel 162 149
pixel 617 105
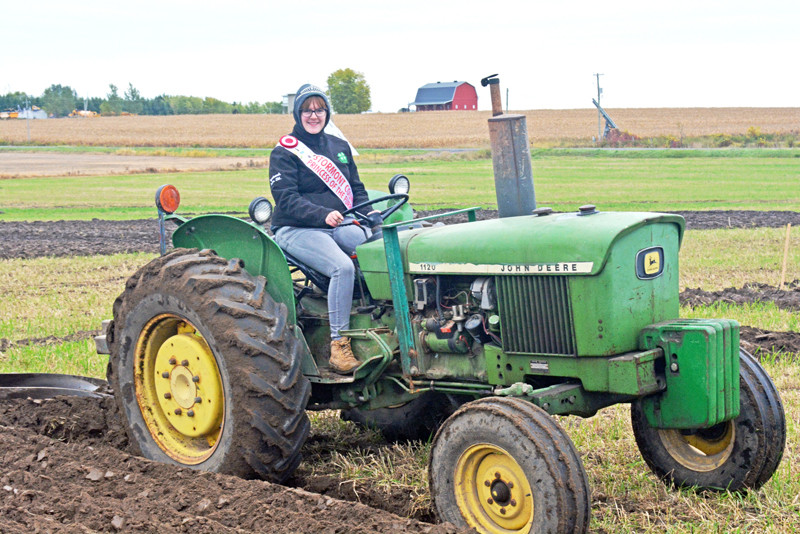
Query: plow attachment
pixel 46 385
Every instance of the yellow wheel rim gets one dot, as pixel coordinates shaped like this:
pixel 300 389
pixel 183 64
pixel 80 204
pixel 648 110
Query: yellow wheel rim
pixel 179 389
pixel 492 491
pixel 702 451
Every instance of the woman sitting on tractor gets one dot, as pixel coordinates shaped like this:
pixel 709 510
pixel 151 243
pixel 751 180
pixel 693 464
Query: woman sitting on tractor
pixel 313 179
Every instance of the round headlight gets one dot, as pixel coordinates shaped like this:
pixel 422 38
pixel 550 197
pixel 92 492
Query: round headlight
pixel 260 210
pixel 399 184
pixel 168 199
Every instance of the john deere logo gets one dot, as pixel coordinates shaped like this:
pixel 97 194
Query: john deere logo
pixel 650 263
pixel 342 157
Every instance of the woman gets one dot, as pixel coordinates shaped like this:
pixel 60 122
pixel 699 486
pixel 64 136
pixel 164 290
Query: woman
pixel 313 180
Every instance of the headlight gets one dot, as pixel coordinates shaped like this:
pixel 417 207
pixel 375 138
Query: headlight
pixel 260 210
pixel 399 184
pixel 168 199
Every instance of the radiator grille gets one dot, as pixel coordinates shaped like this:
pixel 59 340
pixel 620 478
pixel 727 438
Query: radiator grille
pixel 535 314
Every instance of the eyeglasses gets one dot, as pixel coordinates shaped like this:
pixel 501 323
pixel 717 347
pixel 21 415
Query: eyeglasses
pixel 319 112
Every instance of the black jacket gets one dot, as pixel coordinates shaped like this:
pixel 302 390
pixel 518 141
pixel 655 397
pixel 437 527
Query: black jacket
pixel 301 197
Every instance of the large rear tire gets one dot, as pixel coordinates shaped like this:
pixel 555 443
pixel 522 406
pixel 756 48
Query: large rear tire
pixel 503 465
pixel 734 455
pixel 205 370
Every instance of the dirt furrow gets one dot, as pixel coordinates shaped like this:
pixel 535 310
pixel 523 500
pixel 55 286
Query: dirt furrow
pixel 785 299
pixel 66 463
pixel 53 486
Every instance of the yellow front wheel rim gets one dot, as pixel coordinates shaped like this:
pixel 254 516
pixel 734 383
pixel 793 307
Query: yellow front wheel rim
pixel 179 389
pixel 703 451
pixel 492 491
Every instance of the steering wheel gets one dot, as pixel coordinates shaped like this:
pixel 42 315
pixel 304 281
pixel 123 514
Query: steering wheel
pixel 385 214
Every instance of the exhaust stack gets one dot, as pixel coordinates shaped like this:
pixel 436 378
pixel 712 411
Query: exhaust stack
pixel 511 157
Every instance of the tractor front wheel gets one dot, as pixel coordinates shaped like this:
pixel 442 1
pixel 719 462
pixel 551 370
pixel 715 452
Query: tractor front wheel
pixel 503 465
pixel 205 371
pixel 734 455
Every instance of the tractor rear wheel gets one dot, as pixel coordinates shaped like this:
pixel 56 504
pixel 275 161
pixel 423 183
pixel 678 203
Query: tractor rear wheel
pixel 205 370
pixel 415 420
pixel 734 455
pixel 504 465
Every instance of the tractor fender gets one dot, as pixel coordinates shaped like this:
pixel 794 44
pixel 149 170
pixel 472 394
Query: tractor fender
pixel 231 237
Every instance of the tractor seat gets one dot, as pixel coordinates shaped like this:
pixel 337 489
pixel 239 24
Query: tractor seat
pixel 317 278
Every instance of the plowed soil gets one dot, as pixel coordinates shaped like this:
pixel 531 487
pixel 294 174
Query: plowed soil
pixel 786 299
pixel 65 465
pixel 64 468
pixel 755 340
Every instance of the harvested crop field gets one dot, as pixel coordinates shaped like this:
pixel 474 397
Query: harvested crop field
pixel 438 129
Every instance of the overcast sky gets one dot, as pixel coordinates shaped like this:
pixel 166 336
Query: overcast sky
pixel 677 53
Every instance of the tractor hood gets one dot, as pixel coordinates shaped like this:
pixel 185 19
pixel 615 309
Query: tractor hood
pixel 553 244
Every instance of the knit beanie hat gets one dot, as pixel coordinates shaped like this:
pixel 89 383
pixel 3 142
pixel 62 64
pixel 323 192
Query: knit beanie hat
pixel 306 91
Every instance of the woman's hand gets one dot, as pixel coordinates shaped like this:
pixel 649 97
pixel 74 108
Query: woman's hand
pixel 333 219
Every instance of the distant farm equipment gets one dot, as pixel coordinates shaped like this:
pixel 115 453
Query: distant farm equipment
pixel 610 124
pixel 83 113
pixel 33 112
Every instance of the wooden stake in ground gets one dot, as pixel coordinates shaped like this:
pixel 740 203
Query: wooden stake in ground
pixel 785 254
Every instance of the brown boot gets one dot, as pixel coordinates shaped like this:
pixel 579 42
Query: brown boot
pixel 342 360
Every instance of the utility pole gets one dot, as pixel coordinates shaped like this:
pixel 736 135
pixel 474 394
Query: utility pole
pixel 599 115
pixel 506 100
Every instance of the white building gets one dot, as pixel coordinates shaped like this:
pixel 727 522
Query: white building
pixel 288 103
pixel 35 113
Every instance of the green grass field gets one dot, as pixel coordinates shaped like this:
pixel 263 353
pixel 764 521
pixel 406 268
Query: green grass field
pixel 563 182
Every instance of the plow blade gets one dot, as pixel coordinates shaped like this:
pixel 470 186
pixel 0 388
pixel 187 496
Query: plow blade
pixel 47 385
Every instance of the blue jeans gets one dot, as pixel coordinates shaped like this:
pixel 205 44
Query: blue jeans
pixel 328 251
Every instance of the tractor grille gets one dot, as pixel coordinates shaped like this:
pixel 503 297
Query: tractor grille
pixel 535 314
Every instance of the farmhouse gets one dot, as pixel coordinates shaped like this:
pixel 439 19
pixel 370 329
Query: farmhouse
pixel 32 113
pixel 288 103
pixel 446 96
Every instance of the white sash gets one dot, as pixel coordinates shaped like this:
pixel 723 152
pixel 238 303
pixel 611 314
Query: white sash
pixel 323 167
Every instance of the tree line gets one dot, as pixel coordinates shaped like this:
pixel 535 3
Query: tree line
pixel 60 100
pixel 347 89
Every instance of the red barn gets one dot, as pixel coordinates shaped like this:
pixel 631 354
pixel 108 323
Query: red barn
pixel 446 96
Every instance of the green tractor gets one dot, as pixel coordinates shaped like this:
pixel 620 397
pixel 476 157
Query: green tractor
pixel 479 331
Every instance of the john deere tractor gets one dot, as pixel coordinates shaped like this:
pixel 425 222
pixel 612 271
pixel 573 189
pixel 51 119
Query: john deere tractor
pixel 480 332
